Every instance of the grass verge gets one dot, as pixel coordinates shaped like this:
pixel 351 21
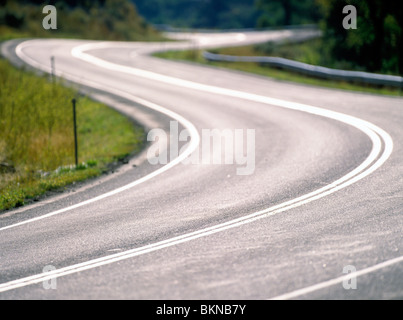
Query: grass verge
pixel 307 52
pixel 37 137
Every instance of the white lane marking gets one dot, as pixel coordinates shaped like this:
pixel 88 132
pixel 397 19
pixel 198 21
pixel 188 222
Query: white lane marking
pixel 376 159
pixel 193 145
pixel 78 53
pixel 368 128
pixel 330 283
pixel 172 242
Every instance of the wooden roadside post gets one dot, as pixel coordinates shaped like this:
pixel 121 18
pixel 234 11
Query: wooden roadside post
pixel 75 131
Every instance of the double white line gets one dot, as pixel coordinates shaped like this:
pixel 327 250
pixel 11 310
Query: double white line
pixel 382 147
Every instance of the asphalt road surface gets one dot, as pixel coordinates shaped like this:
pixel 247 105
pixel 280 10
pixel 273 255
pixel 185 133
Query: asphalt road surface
pixel 314 212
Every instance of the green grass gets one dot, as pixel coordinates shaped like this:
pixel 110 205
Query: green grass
pixel 310 52
pixel 37 137
pixel 7 33
pixel 315 51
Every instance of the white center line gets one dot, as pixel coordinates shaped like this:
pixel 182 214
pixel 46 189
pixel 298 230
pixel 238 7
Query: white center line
pixel 329 283
pixel 381 151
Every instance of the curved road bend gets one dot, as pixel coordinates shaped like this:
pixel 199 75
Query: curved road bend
pixel 325 193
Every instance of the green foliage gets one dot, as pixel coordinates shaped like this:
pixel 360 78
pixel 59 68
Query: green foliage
pixel 215 14
pixel 37 140
pixel 97 20
pixel 315 52
pixel 376 44
pixel 287 12
pixel 310 52
pixel 224 14
pixel 29 115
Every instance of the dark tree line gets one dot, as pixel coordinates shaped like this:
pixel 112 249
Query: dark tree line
pixel 225 14
pixel 377 43
pixel 287 12
pixel 90 19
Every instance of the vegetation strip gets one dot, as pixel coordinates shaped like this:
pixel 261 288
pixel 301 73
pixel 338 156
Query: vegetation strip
pixel 37 137
pixel 312 70
pixel 310 52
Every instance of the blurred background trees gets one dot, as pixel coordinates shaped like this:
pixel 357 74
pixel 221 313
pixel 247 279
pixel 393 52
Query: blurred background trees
pixel 287 12
pixel 216 14
pixel 88 19
pixel 225 14
pixel 376 44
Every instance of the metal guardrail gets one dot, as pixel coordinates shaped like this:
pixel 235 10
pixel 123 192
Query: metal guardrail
pixel 315 71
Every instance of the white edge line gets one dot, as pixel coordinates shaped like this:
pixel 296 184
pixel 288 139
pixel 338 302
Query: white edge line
pixel 194 143
pixel 326 284
pixel 368 128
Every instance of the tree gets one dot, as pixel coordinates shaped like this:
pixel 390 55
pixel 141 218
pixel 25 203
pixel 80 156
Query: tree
pixel 376 44
pixel 287 12
pixel 90 19
pixel 214 14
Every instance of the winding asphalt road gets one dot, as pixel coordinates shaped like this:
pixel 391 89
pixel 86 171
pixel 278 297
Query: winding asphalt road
pixel 325 195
